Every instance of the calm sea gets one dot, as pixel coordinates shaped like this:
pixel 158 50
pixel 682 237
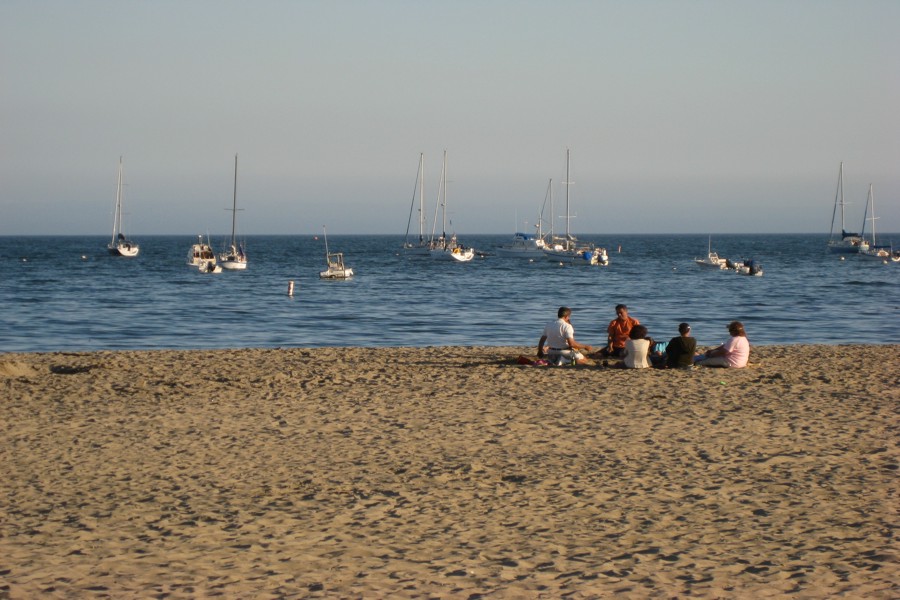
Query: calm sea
pixel 67 293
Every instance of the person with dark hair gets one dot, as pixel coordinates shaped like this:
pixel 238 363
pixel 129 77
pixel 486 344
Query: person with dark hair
pixel 560 338
pixel 680 349
pixel 617 332
pixel 734 354
pixel 637 350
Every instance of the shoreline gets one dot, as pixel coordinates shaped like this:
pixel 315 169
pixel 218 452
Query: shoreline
pixel 500 349
pixel 447 471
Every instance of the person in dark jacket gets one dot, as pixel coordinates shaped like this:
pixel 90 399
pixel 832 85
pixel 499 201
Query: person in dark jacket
pixel 680 349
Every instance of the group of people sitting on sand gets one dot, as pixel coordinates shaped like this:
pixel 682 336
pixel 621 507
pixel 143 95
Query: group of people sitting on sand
pixel 627 341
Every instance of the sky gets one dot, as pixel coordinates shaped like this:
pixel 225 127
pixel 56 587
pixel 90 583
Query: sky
pixel 685 116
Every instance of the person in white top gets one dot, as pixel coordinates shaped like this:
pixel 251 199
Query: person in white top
pixel 734 354
pixel 637 350
pixel 559 337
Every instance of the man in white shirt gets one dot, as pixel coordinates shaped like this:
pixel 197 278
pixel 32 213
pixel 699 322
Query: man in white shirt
pixel 559 336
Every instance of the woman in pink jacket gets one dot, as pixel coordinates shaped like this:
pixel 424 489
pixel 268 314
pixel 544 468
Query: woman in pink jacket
pixel 734 353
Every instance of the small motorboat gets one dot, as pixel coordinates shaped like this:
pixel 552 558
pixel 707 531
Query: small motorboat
pixel 334 261
pixel 749 267
pixel 712 259
pixel 209 266
pixel 201 254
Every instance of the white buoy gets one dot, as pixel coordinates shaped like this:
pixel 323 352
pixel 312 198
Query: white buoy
pixel 290 288
pixel 842 258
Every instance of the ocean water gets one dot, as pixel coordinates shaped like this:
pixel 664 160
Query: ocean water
pixel 67 293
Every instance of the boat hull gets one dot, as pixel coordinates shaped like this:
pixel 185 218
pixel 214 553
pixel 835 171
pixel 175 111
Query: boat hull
pixel 455 255
pixel 233 259
pixel 712 261
pixel 582 256
pixel 209 266
pixel 416 250
pixel 710 265
pixel 128 250
pixel 843 247
pixel 876 254
pixel 345 273
pixel 233 264
pixel 523 246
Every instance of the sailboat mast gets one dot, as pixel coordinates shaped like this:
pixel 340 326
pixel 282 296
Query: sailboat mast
pixel 552 213
pixel 444 205
pixel 421 197
pixel 568 183
pixel 543 206
pixel 234 202
pixel 438 205
pixel 117 215
pixel 862 232
pixel 872 203
pixel 841 193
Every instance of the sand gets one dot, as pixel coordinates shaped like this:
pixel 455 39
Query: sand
pixel 447 473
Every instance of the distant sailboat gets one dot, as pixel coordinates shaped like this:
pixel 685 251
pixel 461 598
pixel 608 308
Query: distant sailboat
pixel 866 249
pixel 568 248
pixel 447 248
pixel 847 243
pixel 234 258
pixel 529 245
pixel 419 246
pixel 120 245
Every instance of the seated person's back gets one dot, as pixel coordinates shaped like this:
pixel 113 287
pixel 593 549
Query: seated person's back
pixel 680 350
pixel 637 349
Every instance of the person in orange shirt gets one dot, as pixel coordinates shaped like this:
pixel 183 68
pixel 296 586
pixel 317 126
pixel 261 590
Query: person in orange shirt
pixel 617 332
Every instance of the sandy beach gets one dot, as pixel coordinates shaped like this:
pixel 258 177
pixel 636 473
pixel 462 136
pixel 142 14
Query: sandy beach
pixel 447 472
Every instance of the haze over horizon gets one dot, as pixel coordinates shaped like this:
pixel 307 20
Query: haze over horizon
pixel 681 117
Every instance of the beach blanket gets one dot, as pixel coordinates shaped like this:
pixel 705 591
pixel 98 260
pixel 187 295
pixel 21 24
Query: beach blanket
pixel 527 360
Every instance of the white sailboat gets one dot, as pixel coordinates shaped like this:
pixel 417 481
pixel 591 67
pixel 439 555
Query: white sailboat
pixel 234 258
pixel 568 248
pixel 866 249
pixel 848 242
pixel 419 247
pixel 334 263
pixel 120 245
pixel 447 248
